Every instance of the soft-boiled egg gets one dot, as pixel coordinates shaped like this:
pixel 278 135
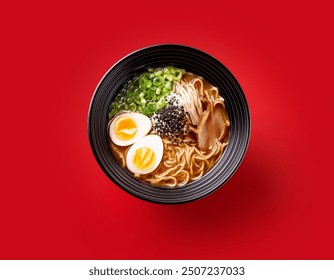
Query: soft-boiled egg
pixel 145 155
pixel 127 128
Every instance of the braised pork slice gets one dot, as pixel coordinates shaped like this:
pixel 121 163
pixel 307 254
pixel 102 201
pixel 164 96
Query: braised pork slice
pixel 212 126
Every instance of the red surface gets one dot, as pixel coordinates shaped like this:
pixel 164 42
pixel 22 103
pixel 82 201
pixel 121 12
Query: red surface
pixel 56 203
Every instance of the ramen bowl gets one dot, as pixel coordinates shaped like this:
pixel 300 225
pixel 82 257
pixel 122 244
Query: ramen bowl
pixel 195 61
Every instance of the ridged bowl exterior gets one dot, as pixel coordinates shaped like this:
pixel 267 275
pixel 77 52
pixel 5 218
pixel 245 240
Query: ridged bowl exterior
pixel 194 61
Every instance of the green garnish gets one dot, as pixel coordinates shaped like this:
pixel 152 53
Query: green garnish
pixel 147 92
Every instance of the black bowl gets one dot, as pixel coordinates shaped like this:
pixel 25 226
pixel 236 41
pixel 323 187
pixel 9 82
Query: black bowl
pixel 194 61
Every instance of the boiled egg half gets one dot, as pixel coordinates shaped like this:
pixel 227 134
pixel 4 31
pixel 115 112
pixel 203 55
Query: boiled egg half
pixel 145 155
pixel 127 128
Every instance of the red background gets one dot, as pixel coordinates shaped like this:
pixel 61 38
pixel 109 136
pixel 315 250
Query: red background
pixel 55 201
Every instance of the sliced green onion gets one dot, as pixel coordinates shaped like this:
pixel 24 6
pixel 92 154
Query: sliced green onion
pixel 122 107
pixel 162 102
pixel 142 99
pixel 158 81
pixel 177 75
pixel 148 83
pixel 147 92
pixel 168 85
pixel 169 76
pixel 132 107
pixel 137 99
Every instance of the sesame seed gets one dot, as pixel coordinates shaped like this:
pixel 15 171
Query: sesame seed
pixel 171 122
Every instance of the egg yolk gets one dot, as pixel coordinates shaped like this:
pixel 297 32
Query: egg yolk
pixel 126 128
pixel 144 158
